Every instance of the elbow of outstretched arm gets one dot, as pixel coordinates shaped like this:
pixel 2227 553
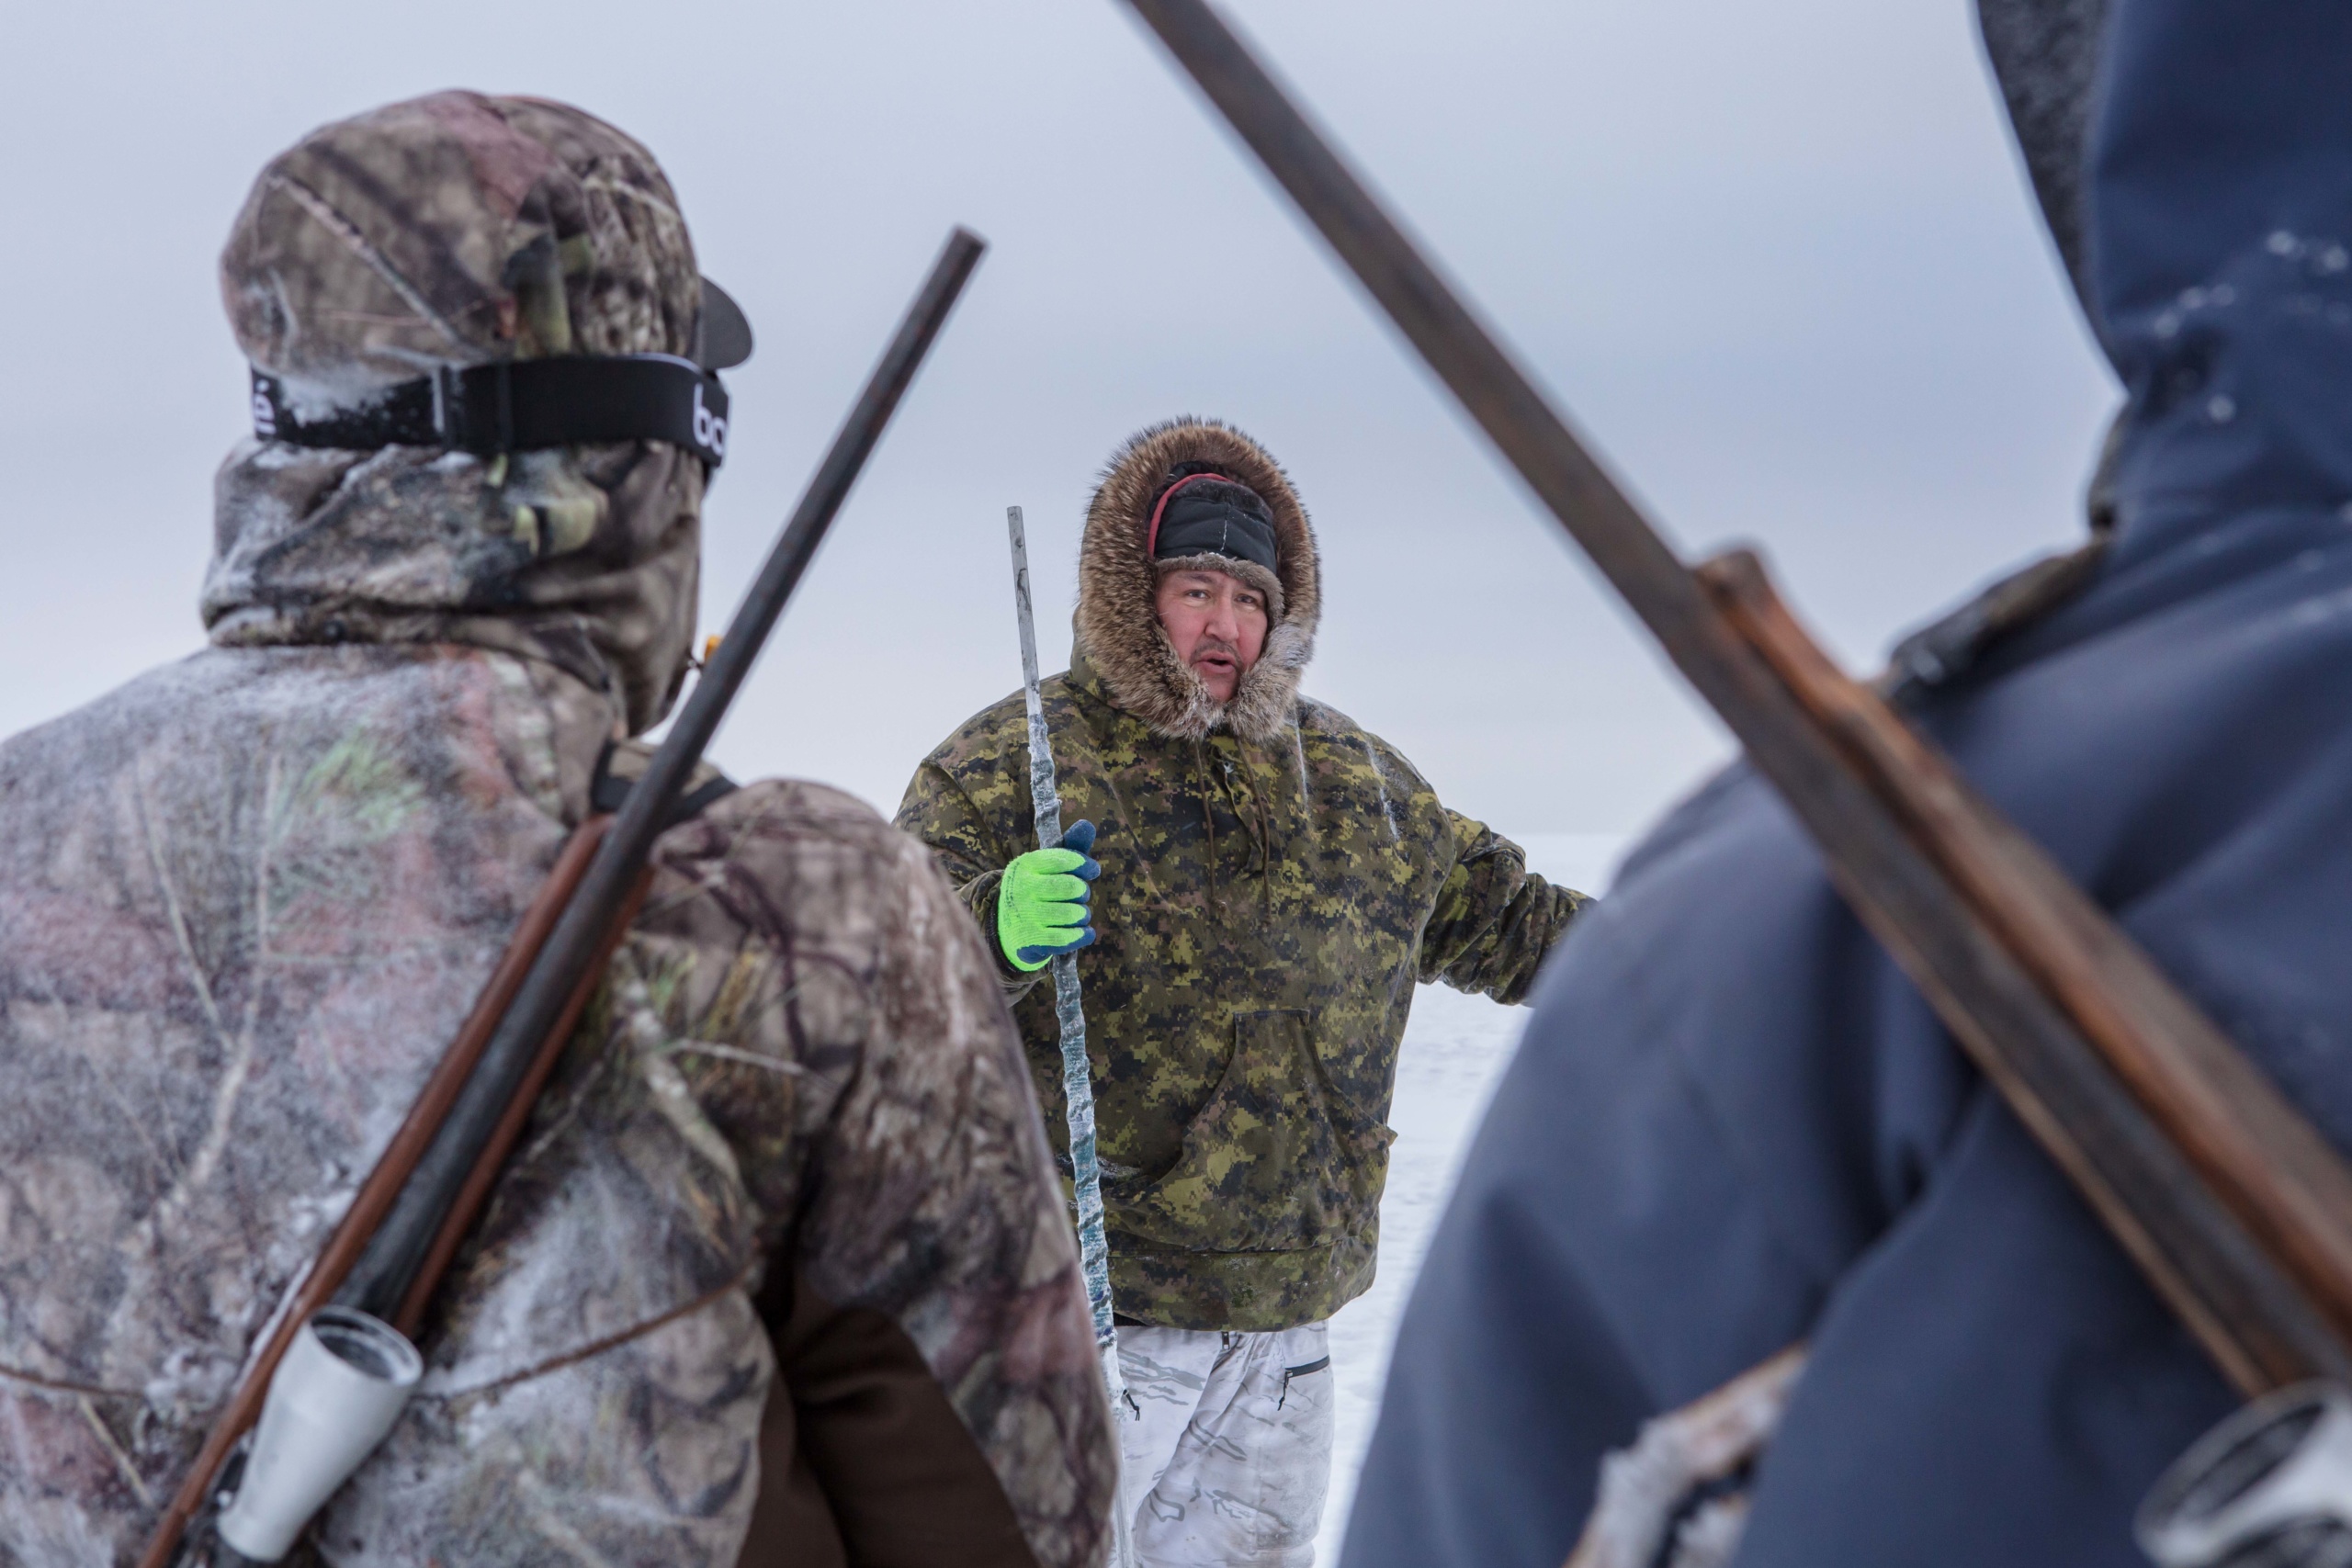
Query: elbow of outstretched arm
pixel 1500 956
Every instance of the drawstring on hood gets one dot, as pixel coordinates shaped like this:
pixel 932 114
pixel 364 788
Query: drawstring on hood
pixel 1202 785
pixel 461 230
pixel 1253 817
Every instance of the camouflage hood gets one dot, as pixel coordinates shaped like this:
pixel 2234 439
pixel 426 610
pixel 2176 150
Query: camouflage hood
pixel 1119 628
pixel 458 230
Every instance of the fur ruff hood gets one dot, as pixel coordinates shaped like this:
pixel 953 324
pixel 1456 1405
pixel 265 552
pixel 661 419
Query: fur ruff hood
pixel 1118 626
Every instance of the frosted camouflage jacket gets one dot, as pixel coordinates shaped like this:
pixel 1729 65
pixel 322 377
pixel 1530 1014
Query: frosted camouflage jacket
pixel 246 900
pixel 1276 880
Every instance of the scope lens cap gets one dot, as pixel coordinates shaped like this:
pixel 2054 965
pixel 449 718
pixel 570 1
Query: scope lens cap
pixel 722 334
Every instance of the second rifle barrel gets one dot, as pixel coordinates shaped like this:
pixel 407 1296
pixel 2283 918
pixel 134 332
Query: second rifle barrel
pixel 385 1270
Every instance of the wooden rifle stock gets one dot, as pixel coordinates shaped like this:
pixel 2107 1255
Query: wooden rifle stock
pixel 2234 1207
pixel 413 1211
pixel 2147 1108
pixel 375 1197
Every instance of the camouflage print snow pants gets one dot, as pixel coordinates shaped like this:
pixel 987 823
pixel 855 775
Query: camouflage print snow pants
pixel 1226 1452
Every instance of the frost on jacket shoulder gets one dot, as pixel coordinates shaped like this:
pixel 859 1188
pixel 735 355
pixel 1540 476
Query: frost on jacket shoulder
pixel 244 904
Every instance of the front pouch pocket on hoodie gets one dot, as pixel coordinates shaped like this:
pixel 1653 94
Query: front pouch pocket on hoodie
pixel 1278 1160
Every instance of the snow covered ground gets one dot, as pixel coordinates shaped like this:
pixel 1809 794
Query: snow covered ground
pixel 1455 1047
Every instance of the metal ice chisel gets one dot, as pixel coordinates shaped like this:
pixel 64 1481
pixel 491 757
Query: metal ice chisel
pixel 1070 1012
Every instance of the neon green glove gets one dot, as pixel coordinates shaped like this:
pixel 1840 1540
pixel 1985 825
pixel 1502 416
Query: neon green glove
pixel 1043 907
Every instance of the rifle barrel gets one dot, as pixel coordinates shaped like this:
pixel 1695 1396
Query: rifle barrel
pixel 400 1246
pixel 2113 1070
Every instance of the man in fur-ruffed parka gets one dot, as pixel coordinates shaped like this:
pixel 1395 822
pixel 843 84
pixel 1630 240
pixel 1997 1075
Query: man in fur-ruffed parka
pixel 779 1272
pixel 1269 883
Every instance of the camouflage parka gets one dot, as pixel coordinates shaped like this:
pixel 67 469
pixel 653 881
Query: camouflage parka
pixel 779 1269
pixel 1276 879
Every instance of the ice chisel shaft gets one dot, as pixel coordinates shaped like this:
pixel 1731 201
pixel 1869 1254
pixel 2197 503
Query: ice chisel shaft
pixel 1070 1016
pixel 2234 1207
pixel 373 1258
pixel 1069 1008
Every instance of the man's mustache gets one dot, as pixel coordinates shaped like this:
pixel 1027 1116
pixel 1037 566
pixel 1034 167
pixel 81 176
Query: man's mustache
pixel 1209 645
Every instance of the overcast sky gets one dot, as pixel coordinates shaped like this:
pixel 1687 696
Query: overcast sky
pixel 1776 259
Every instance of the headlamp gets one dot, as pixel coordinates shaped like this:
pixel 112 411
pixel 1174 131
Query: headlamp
pixel 519 405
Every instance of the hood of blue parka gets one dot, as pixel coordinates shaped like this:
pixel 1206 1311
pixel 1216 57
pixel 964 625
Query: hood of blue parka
pixel 2045 56
pixel 2218 252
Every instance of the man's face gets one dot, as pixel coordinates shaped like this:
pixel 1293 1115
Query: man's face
pixel 1217 625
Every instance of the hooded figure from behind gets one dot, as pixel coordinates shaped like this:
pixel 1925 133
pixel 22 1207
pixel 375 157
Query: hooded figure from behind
pixel 1734 1126
pixel 778 1272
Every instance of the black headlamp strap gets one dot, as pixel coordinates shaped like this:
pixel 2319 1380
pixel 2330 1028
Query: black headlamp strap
pixel 519 406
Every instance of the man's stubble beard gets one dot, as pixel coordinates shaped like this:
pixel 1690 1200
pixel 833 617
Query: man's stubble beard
pixel 1209 645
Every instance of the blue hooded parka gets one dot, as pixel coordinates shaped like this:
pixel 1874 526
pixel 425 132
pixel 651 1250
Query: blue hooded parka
pixel 1734 1125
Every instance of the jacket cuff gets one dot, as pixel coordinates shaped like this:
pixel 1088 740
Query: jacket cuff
pixel 979 895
